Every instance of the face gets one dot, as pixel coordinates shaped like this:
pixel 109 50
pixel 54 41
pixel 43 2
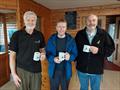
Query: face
pixel 92 21
pixel 61 28
pixel 30 22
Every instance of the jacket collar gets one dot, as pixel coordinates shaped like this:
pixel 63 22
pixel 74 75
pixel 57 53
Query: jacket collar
pixel 98 33
pixel 99 30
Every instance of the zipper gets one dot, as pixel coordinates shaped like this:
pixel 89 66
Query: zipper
pixel 88 59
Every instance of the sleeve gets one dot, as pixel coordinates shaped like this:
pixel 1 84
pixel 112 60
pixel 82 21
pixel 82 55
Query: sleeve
pixel 50 52
pixel 79 42
pixel 73 52
pixel 42 44
pixel 13 46
pixel 109 46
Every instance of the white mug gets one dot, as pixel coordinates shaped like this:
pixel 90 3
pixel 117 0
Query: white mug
pixel 61 56
pixel 36 56
pixel 86 48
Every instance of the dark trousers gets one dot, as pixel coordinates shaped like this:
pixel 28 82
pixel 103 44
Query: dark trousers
pixel 59 79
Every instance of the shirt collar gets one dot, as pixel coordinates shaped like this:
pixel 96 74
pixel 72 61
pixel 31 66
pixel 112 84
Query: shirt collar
pixel 91 34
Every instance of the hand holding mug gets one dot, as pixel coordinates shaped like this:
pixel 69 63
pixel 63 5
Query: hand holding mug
pixel 67 56
pixel 94 49
pixel 56 60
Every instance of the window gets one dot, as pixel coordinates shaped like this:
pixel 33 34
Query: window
pixel 11 28
pixel 2 39
pixel 7 27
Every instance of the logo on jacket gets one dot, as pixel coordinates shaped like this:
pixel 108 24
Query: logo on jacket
pixel 98 42
pixel 37 41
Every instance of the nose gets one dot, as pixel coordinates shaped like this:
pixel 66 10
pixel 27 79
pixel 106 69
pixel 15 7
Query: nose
pixel 61 28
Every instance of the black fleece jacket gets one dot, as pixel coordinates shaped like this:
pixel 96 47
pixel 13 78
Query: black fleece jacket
pixel 93 63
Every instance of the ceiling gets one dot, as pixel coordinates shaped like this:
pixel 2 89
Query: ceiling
pixel 62 4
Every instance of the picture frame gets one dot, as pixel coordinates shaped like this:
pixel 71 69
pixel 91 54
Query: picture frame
pixel 70 17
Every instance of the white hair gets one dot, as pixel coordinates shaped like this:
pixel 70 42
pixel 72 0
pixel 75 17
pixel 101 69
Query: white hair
pixel 28 14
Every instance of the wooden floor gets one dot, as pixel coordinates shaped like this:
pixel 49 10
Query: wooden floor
pixel 110 81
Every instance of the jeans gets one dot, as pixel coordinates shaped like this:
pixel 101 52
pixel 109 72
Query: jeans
pixel 85 78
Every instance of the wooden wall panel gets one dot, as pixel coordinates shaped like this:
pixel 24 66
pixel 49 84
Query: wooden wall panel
pixel 8 4
pixel 82 12
pixel 4 69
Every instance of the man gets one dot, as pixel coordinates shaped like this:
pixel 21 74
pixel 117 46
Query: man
pixel 61 50
pixel 26 51
pixel 94 45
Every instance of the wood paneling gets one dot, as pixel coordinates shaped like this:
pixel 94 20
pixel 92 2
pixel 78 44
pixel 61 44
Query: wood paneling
pixel 8 4
pixel 4 69
pixel 45 77
pixel 83 12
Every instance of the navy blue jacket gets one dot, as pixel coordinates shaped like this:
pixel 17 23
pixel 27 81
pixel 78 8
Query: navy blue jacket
pixel 93 63
pixel 51 54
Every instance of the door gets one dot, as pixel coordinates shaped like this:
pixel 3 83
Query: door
pixel 4 66
pixel 7 27
pixel 117 42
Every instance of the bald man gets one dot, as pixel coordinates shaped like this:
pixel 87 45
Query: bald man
pixel 93 45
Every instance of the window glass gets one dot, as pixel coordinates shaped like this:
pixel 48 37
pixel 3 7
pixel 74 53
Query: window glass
pixel 11 28
pixel 2 39
pixel 7 23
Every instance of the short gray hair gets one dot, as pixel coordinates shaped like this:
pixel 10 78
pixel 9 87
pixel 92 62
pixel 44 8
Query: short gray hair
pixel 28 14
